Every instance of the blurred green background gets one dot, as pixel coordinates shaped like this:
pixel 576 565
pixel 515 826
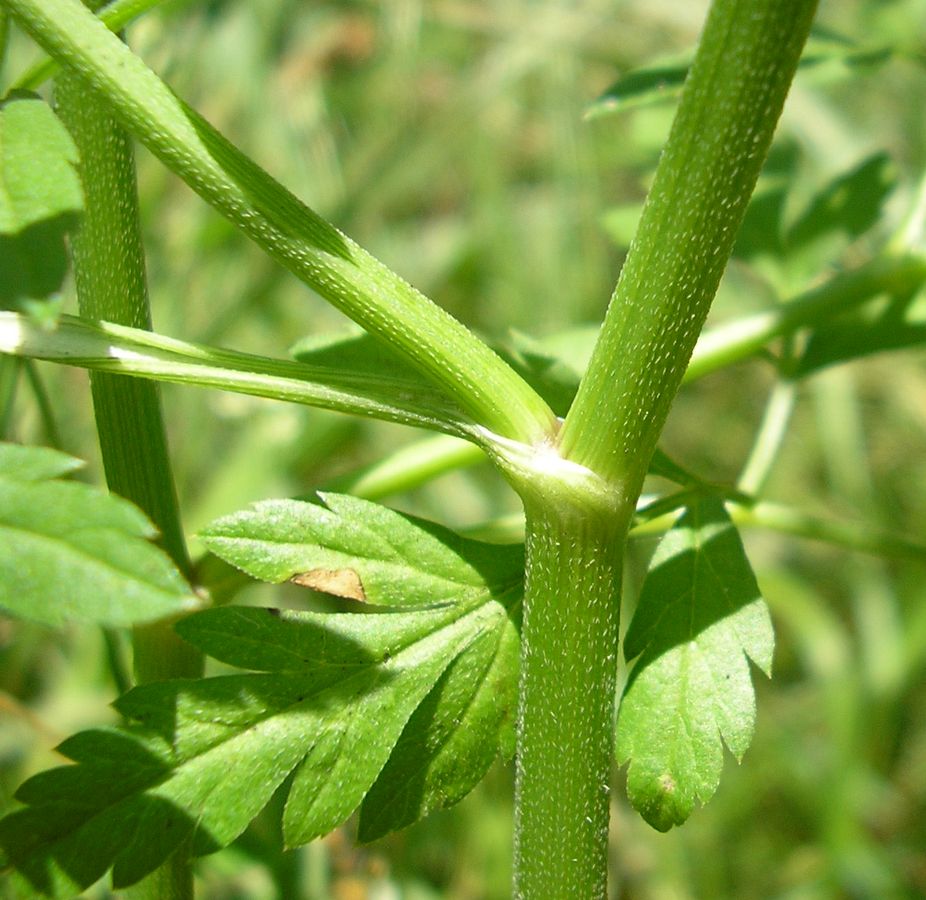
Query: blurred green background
pixel 448 137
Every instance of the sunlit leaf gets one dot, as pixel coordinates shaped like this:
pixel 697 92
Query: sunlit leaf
pixel 361 550
pixel 71 553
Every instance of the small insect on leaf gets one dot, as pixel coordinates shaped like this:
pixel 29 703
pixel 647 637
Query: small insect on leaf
pixel 339 582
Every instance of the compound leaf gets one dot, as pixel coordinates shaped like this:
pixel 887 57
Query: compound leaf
pixel 71 553
pixel 699 617
pixel 414 704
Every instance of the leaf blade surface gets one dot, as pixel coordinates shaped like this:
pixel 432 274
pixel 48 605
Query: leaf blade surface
pixel 700 616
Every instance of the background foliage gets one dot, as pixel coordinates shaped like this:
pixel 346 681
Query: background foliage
pixel 447 137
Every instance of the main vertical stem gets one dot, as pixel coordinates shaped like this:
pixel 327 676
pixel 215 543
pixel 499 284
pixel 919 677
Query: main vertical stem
pixel 110 275
pixel 746 59
pixel 567 700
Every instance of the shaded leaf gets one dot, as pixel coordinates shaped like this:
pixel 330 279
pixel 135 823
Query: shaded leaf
pixel 553 365
pixel 71 553
pixel 848 206
pixel 40 199
pixel 452 738
pixel 699 617
pixel 356 350
pixel 899 323
pixel 761 230
pixel 665 467
pixel 642 87
pixel 842 210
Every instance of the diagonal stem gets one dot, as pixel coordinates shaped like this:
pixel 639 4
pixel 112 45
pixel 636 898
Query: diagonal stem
pixel 334 266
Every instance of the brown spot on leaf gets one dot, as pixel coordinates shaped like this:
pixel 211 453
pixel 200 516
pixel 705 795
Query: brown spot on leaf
pixel 340 582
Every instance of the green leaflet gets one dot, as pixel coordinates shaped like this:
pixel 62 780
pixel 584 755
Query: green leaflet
pixel 70 553
pixel 362 550
pixel 38 157
pixel 699 616
pixel 898 323
pixel 357 549
pixel 407 707
pixel 19 463
pixel 452 738
pixel 40 199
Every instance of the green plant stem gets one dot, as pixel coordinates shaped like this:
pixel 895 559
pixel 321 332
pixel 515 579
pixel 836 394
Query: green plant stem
pixel 783 519
pixel 731 103
pixel 46 409
pixel 9 377
pixel 110 276
pixel 409 467
pixel 769 439
pixel 743 338
pixel 115 16
pixel 105 347
pixel 316 252
pixel 569 640
pixel 729 108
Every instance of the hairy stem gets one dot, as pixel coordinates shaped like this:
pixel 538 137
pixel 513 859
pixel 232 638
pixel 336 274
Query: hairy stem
pixel 730 105
pixel 115 16
pixel 566 721
pixel 747 57
pixel 334 266
pixel 110 275
pixel 104 347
